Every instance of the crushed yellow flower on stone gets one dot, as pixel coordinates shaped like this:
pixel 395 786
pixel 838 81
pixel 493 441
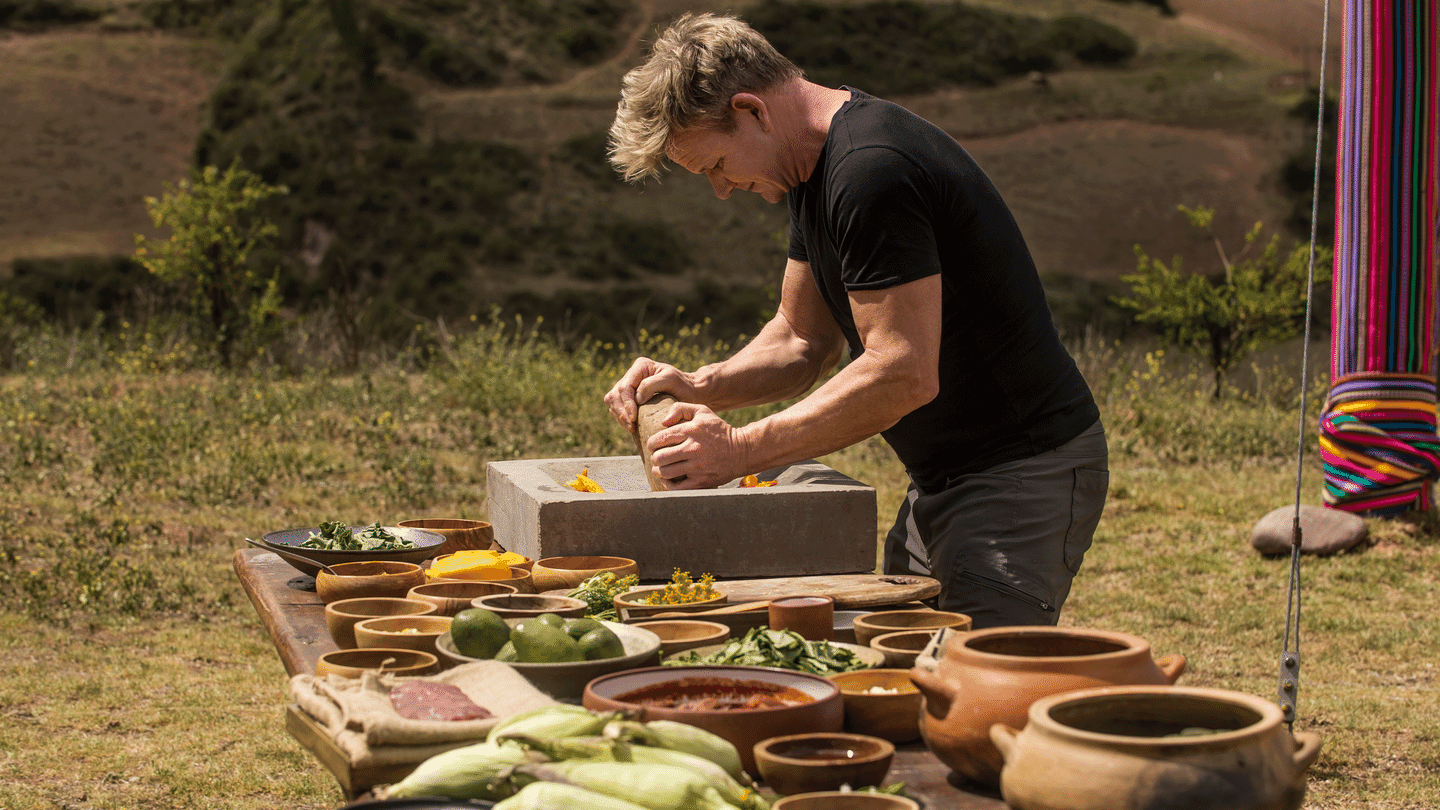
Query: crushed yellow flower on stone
pixel 754 481
pixel 584 483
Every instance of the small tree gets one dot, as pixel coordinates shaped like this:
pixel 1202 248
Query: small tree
pixel 213 231
pixel 1225 316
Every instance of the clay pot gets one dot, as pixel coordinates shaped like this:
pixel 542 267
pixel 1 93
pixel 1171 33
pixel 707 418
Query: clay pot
pixel 1148 746
pixel 894 717
pixel 993 675
pixel 355 580
pixel 566 573
pixel 813 617
pixel 452 596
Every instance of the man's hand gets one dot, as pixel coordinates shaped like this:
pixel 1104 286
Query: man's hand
pixel 645 379
pixel 699 446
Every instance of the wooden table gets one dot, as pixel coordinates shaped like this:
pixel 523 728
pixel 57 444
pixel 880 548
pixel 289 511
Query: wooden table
pixel 294 616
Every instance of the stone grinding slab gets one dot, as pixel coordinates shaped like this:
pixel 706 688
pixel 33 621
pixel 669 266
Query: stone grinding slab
pixel 816 520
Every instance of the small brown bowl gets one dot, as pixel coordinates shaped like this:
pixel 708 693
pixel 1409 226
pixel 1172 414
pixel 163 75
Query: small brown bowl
pixel 452 596
pixel 402 632
pixel 353 663
pixel 459 533
pixel 353 580
pixel 341 616
pixel 836 800
pixel 871 625
pixel 629 607
pixel 566 573
pixel 901 648
pixel 806 763
pixel 519 579
pixel 870 709
pixel 529 605
pixel 679 635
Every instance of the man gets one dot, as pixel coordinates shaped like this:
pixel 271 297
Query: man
pixel 902 251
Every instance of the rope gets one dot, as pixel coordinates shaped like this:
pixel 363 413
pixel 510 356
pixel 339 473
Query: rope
pixel 1289 687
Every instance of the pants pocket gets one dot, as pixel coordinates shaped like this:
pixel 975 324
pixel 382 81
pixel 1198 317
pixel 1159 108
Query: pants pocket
pixel 1087 501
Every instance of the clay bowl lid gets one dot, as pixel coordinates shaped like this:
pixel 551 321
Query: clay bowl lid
pixel 530 605
pixel 805 763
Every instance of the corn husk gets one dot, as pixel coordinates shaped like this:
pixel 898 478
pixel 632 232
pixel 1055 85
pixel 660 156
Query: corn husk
pixel 477 771
pixel 684 737
pixel 560 796
pixel 656 787
pixel 560 720
pixel 609 749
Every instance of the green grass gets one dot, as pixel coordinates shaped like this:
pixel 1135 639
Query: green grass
pixel 135 673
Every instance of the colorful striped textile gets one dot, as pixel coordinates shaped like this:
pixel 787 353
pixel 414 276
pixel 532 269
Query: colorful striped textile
pixel 1378 438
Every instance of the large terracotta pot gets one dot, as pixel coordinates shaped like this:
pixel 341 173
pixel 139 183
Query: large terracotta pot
pixel 993 675
pixel 1154 747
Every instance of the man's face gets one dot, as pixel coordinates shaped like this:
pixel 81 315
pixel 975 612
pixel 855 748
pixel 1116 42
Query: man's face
pixel 744 159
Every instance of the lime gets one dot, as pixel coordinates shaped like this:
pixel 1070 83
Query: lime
pixel 478 633
pixel 539 643
pixel 601 643
pixel 552 619
pixel 506 654
pixel 579 627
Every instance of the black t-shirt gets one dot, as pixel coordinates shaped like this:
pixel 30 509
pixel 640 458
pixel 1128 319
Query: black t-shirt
pixel 893 199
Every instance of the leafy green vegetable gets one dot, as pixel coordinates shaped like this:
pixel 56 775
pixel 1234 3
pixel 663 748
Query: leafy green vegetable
pixel 336 536
pixel 786 649
pixel 599 592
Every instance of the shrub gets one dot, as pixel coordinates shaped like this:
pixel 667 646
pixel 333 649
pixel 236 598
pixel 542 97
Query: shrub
pixel 1090 40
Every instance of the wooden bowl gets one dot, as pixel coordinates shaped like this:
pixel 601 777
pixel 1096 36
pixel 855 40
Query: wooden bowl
pixel 742 727
pixel 519 579
pixel 835 800
pixel 566 680
pixel 566 573
pixel 807 763
pixel 459 533
pixel 402 632
pixel 341 616
pixel 679 635
pixel 901 648
pixel 529 605
pixel 452 596
pixel 353 663
pixel 354 580
pixel 871 625
pixel 303 559
pixel 890 717
pixel 628 607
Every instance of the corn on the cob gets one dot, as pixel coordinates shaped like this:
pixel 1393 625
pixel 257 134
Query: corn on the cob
pixel 657 787
pixel 559 796
pixel 560 720
pixel 684 737
pixel 473 772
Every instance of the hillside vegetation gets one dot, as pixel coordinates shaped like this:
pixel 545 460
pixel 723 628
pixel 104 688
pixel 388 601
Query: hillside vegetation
pixel 445 158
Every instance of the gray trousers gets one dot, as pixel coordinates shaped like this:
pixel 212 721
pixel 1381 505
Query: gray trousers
pixel 1005 543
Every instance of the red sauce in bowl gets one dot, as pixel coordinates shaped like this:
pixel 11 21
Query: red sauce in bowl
pixel 715 694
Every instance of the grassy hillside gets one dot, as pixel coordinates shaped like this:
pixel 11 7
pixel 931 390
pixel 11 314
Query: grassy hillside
pixel 458 158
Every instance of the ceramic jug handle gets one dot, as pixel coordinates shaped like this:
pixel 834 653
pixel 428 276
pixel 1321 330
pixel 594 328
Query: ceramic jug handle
pixel 938 692
pixel 1004 738
pixel 1307 748
pixel 1171 666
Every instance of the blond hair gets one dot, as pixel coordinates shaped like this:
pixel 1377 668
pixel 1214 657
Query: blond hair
pixel 694 68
